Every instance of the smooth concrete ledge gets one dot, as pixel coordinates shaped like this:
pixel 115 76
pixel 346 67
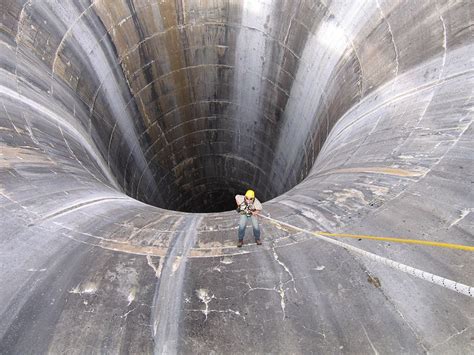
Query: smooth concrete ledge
pixel 346 117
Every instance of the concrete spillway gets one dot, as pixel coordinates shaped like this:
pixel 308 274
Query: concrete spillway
pixel 126 127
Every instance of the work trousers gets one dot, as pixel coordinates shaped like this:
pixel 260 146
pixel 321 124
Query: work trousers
pixel 243 224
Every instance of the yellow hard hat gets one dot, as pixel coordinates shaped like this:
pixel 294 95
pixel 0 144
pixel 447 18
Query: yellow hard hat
pixel 250 194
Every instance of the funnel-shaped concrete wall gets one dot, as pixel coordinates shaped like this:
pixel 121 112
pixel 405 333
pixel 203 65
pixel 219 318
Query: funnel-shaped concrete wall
pixel 351 118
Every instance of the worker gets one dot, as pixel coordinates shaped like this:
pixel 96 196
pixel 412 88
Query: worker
pixel 248 207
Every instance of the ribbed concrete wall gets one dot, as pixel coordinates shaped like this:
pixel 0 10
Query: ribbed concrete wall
pixel 347 117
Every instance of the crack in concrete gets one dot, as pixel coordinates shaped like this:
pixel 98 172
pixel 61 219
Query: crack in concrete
pixel 315 331
pixel 203 295
pixel 449 338
pixel 280 291
pixel 10 119
pixel 464 213
pixel 370 341
pixel 156 269
pixel 292 279
pixel 417 337
pixel 125 315
pixel 391 36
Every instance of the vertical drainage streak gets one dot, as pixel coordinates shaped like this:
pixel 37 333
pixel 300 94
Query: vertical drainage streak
pixel 167 300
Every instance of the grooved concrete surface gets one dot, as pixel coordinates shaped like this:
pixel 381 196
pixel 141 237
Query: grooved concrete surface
pixel 345 117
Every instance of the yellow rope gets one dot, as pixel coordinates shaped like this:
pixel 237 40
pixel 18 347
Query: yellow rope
pixel 399 240
pixel 385 239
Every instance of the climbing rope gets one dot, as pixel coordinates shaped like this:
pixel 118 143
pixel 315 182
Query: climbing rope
pixel 435 279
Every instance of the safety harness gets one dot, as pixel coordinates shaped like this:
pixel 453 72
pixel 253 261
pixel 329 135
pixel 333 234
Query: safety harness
pixel 246 209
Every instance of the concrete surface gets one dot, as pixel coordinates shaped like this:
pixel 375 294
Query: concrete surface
pixel 122 123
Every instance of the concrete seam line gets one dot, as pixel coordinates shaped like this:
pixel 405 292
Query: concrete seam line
pixel 78 132
pixel 435 279
pixel 77 205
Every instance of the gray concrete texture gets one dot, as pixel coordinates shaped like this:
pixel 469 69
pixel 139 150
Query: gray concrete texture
pixel 126 127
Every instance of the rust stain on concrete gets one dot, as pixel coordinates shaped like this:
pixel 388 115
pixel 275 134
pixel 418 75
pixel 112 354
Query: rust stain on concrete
pixel 10 156
pixel 376 170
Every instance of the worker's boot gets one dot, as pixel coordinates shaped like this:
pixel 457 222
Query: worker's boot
pixel 258 241
pixel 240 243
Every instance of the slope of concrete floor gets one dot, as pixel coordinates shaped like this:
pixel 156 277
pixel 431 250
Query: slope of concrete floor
pixel 87 269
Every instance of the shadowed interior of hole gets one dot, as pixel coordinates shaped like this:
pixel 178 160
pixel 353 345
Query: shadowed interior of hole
pixel 209 101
